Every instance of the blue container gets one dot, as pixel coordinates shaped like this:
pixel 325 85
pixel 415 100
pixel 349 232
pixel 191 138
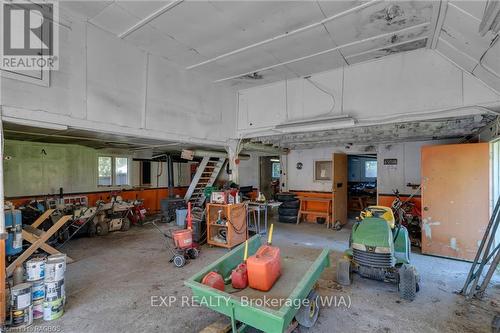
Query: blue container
pixel 14 226
pixel 180 217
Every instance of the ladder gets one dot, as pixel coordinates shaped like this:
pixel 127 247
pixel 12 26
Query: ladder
pixel 206 174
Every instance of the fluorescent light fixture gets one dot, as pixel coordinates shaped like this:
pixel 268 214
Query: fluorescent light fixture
pixel 318 124
pixel 32 123
pixel 274 159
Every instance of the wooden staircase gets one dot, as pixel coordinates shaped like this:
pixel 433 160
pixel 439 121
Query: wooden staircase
pixel 206 174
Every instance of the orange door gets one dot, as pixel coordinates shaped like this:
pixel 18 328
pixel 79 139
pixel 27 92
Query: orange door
pixel 455 199
pixel 339 188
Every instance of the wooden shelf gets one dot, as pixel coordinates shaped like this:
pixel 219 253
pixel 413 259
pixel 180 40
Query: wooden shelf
pixel 236 217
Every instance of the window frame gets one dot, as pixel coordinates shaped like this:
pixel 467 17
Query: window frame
pixel 113 171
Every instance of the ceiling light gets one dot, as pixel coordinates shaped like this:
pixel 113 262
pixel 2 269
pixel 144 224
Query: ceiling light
pixel 318 124
pixel 274 159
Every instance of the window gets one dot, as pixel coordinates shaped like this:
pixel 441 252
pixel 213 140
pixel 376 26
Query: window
pixel 105 178
pixel 276 170
pixel 371 169
pixel 322 170
pixel 112 171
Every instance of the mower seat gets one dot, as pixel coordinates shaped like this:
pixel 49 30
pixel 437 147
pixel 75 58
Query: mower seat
pixel 380 212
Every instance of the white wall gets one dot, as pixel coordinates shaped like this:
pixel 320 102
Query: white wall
pixel 402 87
pixel 107 85
pixel 249 171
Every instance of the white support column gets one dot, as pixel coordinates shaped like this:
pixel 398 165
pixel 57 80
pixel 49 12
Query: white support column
pixel 233 152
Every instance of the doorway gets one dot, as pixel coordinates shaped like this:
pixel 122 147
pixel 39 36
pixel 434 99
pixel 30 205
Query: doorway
pixel 361 183
pixel 270 172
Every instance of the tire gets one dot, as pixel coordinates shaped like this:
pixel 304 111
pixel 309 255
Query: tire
pixel 344 273
pixel 179 261
pixel 125 224
pixel 91 231
pixel 407 282
pixel 308 313
pixel 284 197
pixel 102 228
pixel 287 219
pixel 288 211
pixel 290 204
pixel 193 253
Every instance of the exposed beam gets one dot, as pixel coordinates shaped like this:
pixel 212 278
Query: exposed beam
pixel 321 52
pixel 286 34
pixel 150 18
pixel 386 47
pixel 438 23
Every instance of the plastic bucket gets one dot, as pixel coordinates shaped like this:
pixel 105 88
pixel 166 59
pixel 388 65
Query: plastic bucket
pixel 183 239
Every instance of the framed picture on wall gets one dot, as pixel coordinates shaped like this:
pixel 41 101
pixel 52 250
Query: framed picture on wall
pixel 322 170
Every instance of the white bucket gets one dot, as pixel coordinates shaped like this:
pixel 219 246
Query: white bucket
pixel 20 296
pixel 58 258
pixel 38 290
pixel 54 290
pixel 35 269
pixel 54 270
pixel 22 318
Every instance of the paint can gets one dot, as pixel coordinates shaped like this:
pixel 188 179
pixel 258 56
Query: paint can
pixel 59 257
pixel 38 290
pixel 38 309
pixel 53 310
pixel 54 290
pixel 20 296
pixel 35 269
pixel 54 270
pixel 22 318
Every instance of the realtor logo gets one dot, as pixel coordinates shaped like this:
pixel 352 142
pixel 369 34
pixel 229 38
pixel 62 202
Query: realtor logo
pixel 29 35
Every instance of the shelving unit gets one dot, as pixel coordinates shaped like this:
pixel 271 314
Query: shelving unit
pixel 235 216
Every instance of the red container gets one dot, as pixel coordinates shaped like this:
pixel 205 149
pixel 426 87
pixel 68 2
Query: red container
pixel 214 280
pixel 183 239
pixel 239 277
pixel 264 268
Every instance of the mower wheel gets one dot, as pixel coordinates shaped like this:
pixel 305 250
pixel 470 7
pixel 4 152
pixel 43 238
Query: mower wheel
pixel 193 253
pixel 101 228
pixel 125 224
pixel 407 282
pixel 179 261
pixel 309 311
pixel 344 273
pixel 91 231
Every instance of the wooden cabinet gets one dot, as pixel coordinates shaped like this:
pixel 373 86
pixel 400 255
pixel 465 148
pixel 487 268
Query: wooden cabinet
pixel 229 221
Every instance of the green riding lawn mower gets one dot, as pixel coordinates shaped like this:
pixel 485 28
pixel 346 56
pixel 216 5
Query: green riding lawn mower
pixel 380 250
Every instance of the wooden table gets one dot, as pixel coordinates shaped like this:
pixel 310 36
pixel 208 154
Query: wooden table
pixel 303 211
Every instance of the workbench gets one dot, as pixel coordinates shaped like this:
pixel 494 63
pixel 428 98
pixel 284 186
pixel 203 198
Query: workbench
pixel 303 211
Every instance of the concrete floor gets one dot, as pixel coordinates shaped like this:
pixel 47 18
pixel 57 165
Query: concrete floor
pixel 117 278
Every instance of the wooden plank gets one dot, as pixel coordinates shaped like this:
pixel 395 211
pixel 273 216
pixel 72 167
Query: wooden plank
pixel 37 244
pixel 42 218
pixel 220 326
pixel 46 247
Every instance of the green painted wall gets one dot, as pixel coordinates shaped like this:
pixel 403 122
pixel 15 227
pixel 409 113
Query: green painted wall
pixel 42 168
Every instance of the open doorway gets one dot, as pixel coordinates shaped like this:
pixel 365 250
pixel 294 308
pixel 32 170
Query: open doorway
pixel 362 182
pixel 270 171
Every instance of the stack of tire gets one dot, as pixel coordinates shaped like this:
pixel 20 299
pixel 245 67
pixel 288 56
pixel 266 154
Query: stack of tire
pixel 289 207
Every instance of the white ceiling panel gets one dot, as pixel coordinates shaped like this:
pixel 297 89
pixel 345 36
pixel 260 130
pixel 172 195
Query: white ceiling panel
pixel 459 58
pixel 379 19
pixel 474 7
pixel 301 44
pixel 317 64
pixel 160 44
pixel 142 9
pixel 331 8
pixel 114 19
pixel 387 41
pixel 409 46
pixel 85 9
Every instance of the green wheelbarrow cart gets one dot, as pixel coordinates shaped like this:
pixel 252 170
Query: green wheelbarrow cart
pixel 292 296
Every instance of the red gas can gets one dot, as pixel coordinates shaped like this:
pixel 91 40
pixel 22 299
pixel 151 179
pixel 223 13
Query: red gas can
pixel 239 277
pixel 214 280
pixel 264 268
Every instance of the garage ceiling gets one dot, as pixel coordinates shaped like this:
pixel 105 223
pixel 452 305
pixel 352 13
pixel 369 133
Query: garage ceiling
pixel 436 129
pixel 264 41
